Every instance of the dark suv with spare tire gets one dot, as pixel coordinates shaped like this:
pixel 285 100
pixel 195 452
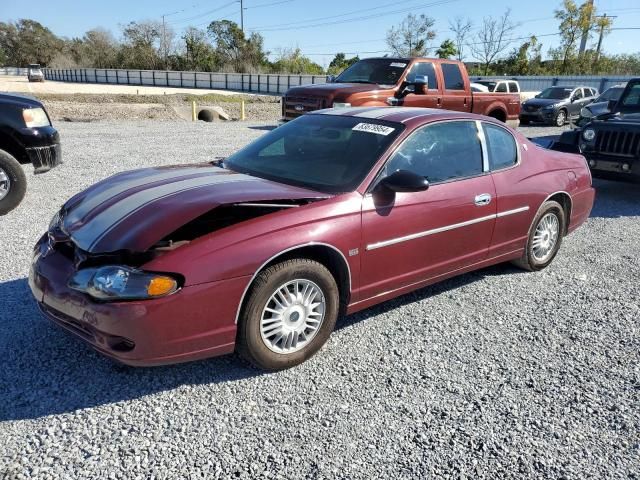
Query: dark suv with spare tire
pixel 26 136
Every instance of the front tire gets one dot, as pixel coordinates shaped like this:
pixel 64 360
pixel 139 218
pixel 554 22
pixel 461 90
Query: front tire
pixel 291 310
pixel 545 237
pixel 13 183
pixel 560 119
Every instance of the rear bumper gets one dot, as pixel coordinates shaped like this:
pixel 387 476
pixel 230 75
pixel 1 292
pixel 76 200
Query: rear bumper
pixel 196 322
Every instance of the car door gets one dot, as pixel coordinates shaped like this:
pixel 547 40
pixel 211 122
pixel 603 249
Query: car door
pixel 410 237
pixel 456 95
pixel 432 98
pixel 511 182
pixel 576 103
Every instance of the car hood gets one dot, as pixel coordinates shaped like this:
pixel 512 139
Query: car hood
pixel 135 210
pixel 542 102
pixel 597 109
pixel 331 89
pixel 21 101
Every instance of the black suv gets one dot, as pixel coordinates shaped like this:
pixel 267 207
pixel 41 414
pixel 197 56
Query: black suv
pixel 26 136
pixel 556 105
pixel 610 141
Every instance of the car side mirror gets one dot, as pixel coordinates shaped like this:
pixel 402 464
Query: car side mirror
pixel 611 105
pixel 421 84
pixel 403 181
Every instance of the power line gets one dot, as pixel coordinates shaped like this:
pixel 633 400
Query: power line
pixel 209 12
pixel 290 26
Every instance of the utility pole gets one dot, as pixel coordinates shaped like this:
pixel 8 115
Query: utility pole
pixel 603 21
pixel 164 42
pixel 241 16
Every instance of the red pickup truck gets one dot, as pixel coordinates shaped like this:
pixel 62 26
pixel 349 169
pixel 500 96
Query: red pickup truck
pixel 409 82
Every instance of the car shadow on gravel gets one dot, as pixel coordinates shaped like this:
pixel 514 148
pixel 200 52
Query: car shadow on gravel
pixel 267 128
pixel 45 371
pixel 616 199
pixel 429 291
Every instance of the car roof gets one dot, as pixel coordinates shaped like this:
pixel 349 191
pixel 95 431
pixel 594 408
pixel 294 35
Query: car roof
pixel 410 116
pixel 20 100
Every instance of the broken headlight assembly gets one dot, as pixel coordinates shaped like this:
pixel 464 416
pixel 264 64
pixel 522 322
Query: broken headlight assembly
pixel 116 282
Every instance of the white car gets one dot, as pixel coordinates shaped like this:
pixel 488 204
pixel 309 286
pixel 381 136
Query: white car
pixel 500 86
pixel 34 73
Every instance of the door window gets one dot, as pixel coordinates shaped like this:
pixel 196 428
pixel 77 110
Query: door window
pixel 452 76
pixel 513 87
pixel 502 88
pixel 425 69
pixel 501 147
pixel 577 95
pixel 440 152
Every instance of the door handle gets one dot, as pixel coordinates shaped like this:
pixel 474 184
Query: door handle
pixel 482 199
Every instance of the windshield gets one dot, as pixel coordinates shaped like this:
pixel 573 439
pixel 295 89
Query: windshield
pixel 490 85
pixel 327 153
pixel 613 93
pixel 556 93
pixel 381 71
pixel 631 100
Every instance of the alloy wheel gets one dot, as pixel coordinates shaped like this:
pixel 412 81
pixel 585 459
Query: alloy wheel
pixel 545 237
pixel 292 316
pixel 5 184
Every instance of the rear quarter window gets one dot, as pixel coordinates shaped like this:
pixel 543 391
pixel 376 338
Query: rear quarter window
pixel 452 76
pixel 501 146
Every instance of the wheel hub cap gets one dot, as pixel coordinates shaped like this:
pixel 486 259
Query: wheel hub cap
pixel 5 184
pixel 545 237
pixel 292 316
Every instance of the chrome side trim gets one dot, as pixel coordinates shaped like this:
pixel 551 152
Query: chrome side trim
pixel 512 212
pixel 309 244
pixel 446 228
pixel 271 205
pixel 413 236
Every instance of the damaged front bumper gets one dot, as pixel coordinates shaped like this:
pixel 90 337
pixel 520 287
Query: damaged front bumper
pixel 45 158
pixel 196 322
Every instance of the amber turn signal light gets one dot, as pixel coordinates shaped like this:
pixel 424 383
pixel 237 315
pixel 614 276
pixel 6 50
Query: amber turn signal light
pixel 159 286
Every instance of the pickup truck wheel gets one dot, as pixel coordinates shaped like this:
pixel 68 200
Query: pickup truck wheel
pixel 291 311
pixel 560 119
pixel 545 237
pixel 13 183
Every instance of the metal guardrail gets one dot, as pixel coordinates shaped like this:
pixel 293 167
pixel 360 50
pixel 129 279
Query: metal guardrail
pixel 270 83
pixel 243 82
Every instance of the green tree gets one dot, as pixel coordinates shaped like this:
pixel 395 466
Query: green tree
pixel 199 53
pixel 340 62
pixel 235 51
pixel 447 49
pixel 292 61
pixel 574 20
pixel 27 41
pixel 412 38
pixel 140 48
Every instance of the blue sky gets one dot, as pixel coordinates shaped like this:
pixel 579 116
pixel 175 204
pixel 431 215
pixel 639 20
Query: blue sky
pixel 306 24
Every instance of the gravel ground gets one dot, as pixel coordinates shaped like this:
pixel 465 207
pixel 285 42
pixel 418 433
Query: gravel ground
pixel 494 374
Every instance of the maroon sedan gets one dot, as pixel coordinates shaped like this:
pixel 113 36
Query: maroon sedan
pixel 329 214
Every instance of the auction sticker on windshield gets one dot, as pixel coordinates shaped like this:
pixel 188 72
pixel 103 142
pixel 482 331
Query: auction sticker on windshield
pixel 398 64
pixel 373 128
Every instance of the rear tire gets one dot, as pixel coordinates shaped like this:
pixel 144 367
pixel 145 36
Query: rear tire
pixel 545 237
pixel 13 183
pixel 290 313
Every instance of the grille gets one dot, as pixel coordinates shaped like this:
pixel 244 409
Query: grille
pixel 44 158
pixel 618 142
pixel 295 106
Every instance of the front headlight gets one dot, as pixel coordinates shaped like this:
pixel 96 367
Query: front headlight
pixel 115 282
pixel 548 107
pixel 341 105
pixel 589 134
pixel 35 117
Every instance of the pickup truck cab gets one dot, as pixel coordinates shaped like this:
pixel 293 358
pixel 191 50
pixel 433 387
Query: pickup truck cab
pixel 26 137
pixel 410 82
